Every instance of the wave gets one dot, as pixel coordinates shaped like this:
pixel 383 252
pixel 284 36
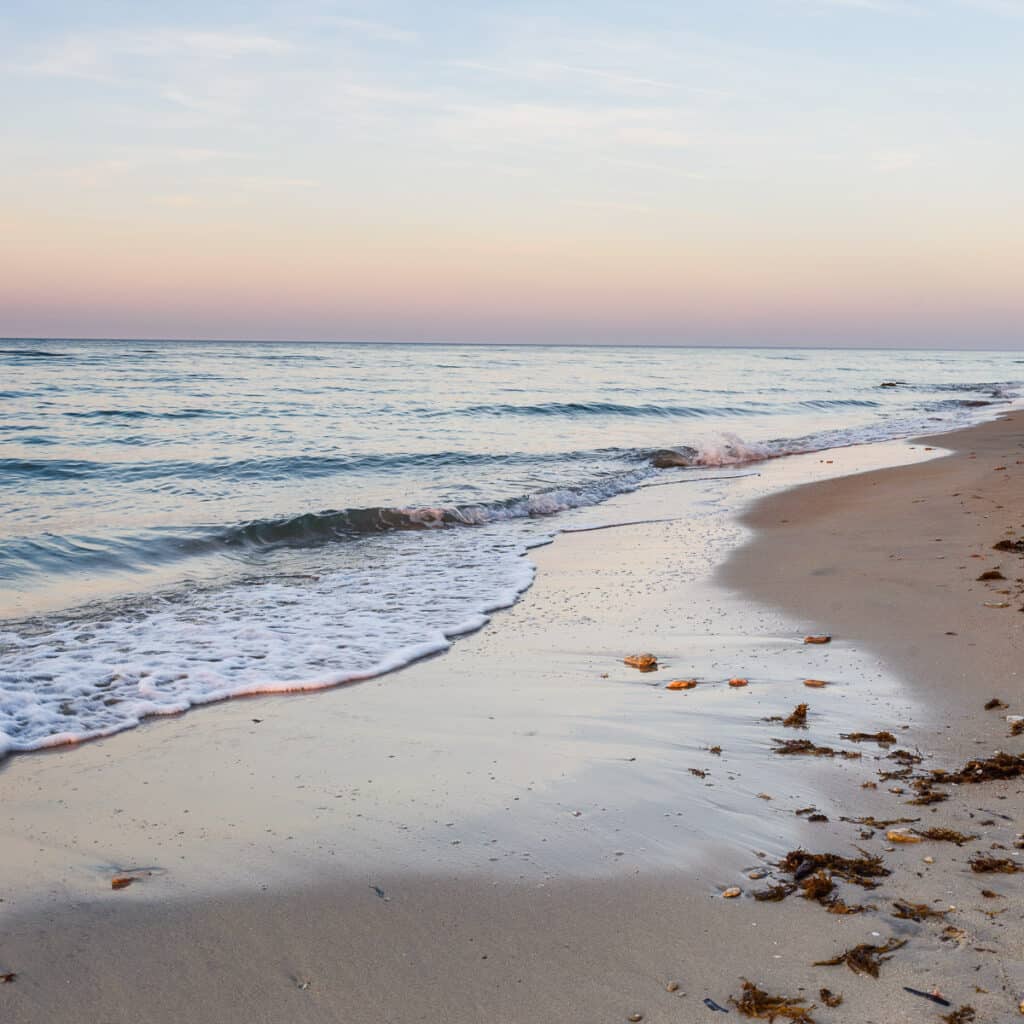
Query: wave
pixel 601 409
pixel 138 414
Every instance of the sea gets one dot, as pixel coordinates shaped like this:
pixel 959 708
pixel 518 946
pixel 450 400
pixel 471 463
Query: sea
pixel 186 522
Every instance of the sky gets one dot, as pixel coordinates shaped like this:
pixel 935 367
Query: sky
pixel 806 172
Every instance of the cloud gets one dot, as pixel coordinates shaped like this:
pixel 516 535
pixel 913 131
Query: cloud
pixel 96 56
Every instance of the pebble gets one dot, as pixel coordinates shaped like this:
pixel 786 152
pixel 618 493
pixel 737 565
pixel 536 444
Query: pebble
pixel 732 892
pixel 929 860
pixel 635 1017
pixel 758 874
pixel 672 986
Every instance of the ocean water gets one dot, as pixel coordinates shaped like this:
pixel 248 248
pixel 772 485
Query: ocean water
pixel 185 522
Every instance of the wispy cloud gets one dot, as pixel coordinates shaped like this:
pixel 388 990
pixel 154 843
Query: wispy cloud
pixel 96 55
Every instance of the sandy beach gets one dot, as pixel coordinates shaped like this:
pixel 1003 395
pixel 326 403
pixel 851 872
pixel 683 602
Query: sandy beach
pixel 526 828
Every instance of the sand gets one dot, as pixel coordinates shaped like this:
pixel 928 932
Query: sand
pixel 514 831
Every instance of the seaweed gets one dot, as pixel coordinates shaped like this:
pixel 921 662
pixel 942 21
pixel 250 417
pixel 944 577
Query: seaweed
pixel 758 1005
pixel 905 757
pixel 926 793
pixel 991 574
pixel 962 1016
pixel 1001 766
pixel 915 911
pixel 883 738
pixel 932 996
pixel 1017 727
pixel 839 906
pixel 699 772
pixel 865 958
pixel 817 886
pixel 945 835
pixel 983 863
pixel 806 747
pixel 859 870
pixel 797 718
pixel 995 702
pixel 1009 545
pixel 829 998
pixel 872 822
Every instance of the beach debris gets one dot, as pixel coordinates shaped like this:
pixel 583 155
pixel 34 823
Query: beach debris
pixel 926 794
pixel 806 747
pixel 818 817
pixel 996 604
pixel 817 639
pixel 712 1005
pixel 865 958
pixel 1000 766
pixel 901 836
pixel 906 757
pixel 715 750
pixel 681 684
pixel 873 822
pixel 9 978
pixel 990 895
pixel 699 772
pixel 953 934
pixel 380 894
pixel 775 893
pixel 995 702
pixel 122 881
pixel 860 870
pixel 758 1005
pixel 797 718
pixel 817 886
pixel 933 996
pixel 1016 546
pixel 815 684
pixel 829 998
pixel 739 681
pixel 643 662
pixel 732 892
pixel 928 860
pixel 1016 723
pixel 945 835
pixel 906 911
pixel 991 574
pixel 671 458
pixel 883 738
pixel 635 1018
pixel 672 986
pixel 983 863
pixel 962 1016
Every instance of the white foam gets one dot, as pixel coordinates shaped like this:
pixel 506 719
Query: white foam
pixel 67 679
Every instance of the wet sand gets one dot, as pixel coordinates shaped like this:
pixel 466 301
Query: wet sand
pixel 520 829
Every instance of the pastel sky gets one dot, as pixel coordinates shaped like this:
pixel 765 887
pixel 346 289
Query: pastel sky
pixel 813 172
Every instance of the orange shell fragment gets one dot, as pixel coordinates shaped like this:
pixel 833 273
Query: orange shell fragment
pixel 738 682
pixel 121 881
pixel 815 684
pixel 643 662
pixel 817 639
pixel 681 684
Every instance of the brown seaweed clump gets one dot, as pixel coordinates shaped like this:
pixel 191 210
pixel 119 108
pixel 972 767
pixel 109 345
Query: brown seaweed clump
pixel 944 835
pixel 1001 766
pixel 829 998
pixel 984 864
pixel 865 958
pixel 995 702
pixel 807 748
pixel 962 1016
pixel 872 822
pixel 926 793
pixel 860 870
pixel 1017 546
pixel 906 911
pixel 797 718
pixel 882 738
pixel 759 1005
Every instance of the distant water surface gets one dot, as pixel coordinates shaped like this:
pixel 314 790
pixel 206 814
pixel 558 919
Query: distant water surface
pixel 183 522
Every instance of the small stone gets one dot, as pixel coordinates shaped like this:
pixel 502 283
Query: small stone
pixel 732 892
pixel 929 860
pixel 739 681
pixel 815 684
pixel 635 1017
pixel 817 639
pixel 757 874
pixel 672 986
pixel 643 662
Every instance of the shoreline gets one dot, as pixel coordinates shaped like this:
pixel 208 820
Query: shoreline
pixel 531 934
